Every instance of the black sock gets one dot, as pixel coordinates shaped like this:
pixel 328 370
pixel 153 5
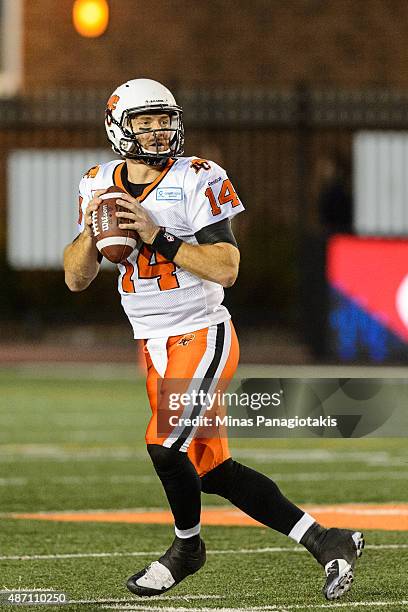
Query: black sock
pixel 181 484
pixel 254 493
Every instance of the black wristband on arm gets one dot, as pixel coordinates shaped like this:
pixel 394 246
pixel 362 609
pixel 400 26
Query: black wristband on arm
pixel 166 244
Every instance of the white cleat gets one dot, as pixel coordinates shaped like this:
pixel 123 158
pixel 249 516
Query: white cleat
pixel 340 571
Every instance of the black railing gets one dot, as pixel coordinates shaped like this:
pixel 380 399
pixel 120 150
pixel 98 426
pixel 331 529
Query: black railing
pixel 270 142
pixel 233 107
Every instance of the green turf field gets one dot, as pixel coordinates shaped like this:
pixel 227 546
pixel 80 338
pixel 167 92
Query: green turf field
pixel 72 442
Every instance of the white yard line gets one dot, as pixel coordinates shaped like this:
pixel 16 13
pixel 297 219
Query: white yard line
pixel 128 604
pixel 131 602
pixel 342 476
pixel 70 452
pixel 144 478
pixel 272 607
pixel 129 371
pixel 77 480
pixel 134 608
pixel 391 508
pixel 66 451
pixel 155 553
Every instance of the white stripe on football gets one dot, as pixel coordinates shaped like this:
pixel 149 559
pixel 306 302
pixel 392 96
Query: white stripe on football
pixel 109 195
pixel 114 240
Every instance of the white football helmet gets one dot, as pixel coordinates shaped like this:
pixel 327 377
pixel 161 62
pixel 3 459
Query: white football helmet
pixel 142 96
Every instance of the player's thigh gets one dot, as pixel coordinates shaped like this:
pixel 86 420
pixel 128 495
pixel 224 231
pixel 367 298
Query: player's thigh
pixel 184 353
pixel 204 359
pixel 206 453
pixel 209 353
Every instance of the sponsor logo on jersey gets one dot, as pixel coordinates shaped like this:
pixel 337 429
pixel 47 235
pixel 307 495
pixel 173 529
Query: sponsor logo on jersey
pixel 217 180
pixel 186 339
pixel 169 193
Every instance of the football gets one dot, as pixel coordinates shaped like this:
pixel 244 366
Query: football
pixel 112 242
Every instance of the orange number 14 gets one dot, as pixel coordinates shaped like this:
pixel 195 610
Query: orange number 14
pixel 227 194
pixel 162 270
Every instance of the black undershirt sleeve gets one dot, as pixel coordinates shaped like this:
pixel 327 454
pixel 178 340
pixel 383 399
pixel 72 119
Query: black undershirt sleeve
pixel 216 232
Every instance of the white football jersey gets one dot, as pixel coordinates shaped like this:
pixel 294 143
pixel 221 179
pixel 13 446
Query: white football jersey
pixel 160 298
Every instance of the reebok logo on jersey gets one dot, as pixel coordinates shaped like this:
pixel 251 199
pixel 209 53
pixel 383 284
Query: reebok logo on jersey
pixel 186 339
pixel 169 193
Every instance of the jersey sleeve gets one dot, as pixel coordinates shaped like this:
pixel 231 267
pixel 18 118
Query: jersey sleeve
pixel 212 197
pixel 83 199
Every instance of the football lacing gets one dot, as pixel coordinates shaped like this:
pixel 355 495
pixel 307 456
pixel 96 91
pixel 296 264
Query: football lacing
pixel 94 217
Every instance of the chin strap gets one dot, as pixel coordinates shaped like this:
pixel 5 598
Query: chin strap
pixel 149 160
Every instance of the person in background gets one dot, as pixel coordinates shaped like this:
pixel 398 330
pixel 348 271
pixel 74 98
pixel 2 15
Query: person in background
pixel 334 200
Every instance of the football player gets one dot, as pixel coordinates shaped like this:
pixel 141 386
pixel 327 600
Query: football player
pixel 171 289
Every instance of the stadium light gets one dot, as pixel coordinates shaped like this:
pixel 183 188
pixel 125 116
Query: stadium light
pixel 90 17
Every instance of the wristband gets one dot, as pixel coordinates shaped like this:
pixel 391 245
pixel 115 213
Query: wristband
pixel 166 244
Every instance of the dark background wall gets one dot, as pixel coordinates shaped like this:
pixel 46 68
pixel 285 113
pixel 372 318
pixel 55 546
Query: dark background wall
pixel 222 43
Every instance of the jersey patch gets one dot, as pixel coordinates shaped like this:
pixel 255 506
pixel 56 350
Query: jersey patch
pixel 92 172
pixel 200 164
pixel 169 193
pixel 186 339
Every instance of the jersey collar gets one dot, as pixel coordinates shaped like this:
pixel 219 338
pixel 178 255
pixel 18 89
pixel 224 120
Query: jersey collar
pixel 117 179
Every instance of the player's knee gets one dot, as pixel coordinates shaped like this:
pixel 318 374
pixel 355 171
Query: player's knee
pixel 220 480
pixel 165 459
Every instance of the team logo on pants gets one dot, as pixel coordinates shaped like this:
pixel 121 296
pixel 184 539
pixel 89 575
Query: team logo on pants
pixel 186 339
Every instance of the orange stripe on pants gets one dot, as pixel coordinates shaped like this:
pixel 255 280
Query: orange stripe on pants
pixel 185 353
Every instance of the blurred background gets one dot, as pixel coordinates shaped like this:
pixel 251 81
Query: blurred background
pixel 304 102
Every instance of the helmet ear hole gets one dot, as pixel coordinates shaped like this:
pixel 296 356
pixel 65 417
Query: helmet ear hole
pixel 126 145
